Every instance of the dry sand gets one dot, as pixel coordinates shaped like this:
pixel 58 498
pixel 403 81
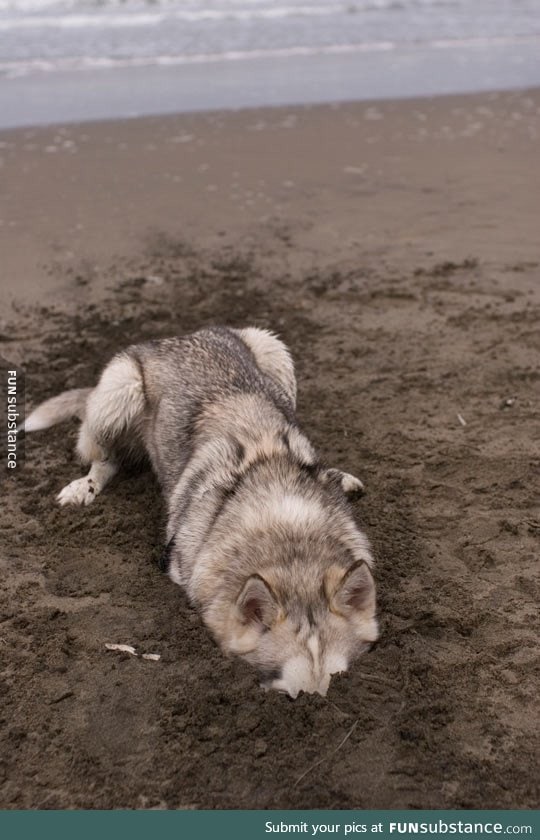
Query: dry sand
pixel 395 247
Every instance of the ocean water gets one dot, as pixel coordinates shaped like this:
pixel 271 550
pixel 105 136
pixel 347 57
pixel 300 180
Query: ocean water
pixel 190 54
pixel 38 36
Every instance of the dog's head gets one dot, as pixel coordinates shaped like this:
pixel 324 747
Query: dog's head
pixel 298 636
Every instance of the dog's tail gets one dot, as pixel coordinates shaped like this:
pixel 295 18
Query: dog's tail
pixel 57 409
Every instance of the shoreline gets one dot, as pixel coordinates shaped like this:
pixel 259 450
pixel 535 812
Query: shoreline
pixel 322 78
pixel 212 114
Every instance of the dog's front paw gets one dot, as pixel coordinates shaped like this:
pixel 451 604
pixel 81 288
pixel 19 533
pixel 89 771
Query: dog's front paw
pixel 351 485
pixel 82 491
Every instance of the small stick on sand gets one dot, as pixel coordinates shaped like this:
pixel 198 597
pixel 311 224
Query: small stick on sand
pixel 154 657
pixel 121 648
pixel 461 420
pixel 326 757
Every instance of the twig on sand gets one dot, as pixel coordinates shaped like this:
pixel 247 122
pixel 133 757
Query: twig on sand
pixel 155 657
pixel 330 754
pixel 121 648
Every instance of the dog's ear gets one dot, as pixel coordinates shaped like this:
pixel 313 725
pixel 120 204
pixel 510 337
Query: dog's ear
pixel 256 603
pixel 351 592
pixel 255 611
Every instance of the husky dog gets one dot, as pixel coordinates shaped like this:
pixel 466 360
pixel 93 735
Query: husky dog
pixel 259 533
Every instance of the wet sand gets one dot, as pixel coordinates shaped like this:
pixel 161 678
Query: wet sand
pixel 394 246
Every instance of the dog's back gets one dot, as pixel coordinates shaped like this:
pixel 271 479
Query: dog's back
pixel 188 379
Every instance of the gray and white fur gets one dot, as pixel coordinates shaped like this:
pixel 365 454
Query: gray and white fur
pixel 259 533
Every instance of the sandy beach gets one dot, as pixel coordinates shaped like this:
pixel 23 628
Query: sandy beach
pixel 394 246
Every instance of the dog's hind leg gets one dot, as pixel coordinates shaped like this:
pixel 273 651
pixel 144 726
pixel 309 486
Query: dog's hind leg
pixel 114 407
pixel 84 490
pixel 272 356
